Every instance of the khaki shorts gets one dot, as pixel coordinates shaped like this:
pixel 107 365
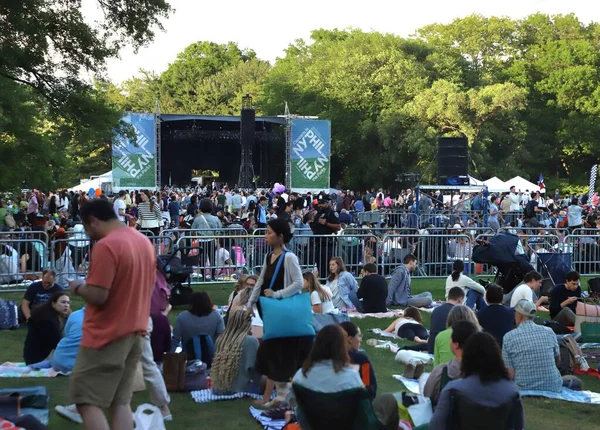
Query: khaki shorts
pixel 103 377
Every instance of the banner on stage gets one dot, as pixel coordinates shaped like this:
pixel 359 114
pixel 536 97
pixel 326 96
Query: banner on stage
pixel 134 160
pixel 311 155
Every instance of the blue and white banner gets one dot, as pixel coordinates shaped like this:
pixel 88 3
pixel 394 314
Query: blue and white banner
pixel 134 160
pixel 310 155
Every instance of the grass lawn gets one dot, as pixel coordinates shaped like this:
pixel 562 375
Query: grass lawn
pixel 540 413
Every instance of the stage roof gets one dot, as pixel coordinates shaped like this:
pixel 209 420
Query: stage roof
pixel 175 117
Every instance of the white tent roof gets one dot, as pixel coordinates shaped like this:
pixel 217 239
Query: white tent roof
pixel 522 184
pixel 474 181
pixel 496 185
pixel 93 183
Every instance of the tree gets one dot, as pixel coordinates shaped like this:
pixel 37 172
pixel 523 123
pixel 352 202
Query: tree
pixel 46 47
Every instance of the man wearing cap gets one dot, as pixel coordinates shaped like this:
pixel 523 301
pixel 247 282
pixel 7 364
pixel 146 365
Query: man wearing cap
pixel 531 352
pixel 325 223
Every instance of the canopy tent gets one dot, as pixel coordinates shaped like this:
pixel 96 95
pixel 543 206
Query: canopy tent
pixel 93 183
pixel 475 181
pixel 523 185
pixel 496 185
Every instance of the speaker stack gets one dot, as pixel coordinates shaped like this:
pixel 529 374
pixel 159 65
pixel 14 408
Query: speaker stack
pixel 453 161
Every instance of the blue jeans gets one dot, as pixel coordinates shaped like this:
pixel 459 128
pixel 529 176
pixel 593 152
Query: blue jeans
pixel 356 302
pixel 475 300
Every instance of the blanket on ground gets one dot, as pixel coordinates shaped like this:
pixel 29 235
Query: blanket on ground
pixel 382 333
pixel 567 394
pixel 389 314
pixel 21 370
pixel 207 396
pixel 266 422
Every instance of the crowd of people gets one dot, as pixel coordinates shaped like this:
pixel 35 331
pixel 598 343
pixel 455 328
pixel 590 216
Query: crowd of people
pixel 486 345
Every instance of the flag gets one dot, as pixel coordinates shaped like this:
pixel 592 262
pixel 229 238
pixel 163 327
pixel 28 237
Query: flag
pixel 541 182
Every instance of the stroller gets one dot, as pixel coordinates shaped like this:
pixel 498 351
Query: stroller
pixel 499 251
pixel 176 274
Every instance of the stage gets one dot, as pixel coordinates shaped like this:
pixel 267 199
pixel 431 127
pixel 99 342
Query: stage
pixel 207 142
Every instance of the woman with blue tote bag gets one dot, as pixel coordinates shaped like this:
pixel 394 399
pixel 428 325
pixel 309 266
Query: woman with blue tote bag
pixel 286 312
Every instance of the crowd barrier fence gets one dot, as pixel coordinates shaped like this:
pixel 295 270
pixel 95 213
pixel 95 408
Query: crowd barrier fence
pixel 222 257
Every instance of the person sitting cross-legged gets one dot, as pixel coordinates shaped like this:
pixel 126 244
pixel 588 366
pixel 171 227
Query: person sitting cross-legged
pixel 474 291
pixel 531 353
pixel 399 289
pixel 444 373
pixel 563 299
pixel 372 292
pixel 496 319
pixel 485 382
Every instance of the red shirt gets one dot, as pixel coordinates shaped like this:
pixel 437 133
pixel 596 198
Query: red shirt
pixel 123 262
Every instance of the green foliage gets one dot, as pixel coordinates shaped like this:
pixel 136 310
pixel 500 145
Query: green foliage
pixel 54 125
pixel 526 93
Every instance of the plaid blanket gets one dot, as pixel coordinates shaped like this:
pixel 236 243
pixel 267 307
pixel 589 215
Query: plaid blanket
pixel 207 396
pixel 266 422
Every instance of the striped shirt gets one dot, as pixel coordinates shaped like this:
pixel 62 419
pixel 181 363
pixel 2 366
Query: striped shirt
pixel 147 216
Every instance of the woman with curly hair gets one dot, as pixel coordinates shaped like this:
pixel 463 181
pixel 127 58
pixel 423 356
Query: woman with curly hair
pixel 235 355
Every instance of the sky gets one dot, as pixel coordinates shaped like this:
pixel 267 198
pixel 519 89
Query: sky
pixel 269 26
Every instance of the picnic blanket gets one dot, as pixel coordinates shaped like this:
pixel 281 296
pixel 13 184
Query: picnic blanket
pixel 21 370
pixel 566 394
pixel 207 396
pixel 382 333
pixel 415 386
pixel 389 314
pixel 266 422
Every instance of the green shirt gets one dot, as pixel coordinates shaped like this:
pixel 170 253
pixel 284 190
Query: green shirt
pixel 3 212
pixel 221 199
pixel 442 353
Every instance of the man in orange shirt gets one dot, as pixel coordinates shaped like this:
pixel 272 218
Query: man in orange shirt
pixel 117 291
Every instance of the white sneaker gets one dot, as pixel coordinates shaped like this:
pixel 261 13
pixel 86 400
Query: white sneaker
pixel 69 412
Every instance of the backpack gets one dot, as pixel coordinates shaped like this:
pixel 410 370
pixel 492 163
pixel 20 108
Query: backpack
pixel 9 315
pixel 569 355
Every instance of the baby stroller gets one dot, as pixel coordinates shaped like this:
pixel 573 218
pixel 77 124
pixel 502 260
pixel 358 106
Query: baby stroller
pixel 500 251
pixel 176 274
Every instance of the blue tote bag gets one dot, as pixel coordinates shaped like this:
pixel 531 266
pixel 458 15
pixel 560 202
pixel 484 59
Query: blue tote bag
pixel 289 317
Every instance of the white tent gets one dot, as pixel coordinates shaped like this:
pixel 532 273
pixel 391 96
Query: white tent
pixel 93 183
pixel 474 181
pixel 496 185
pixel 522 184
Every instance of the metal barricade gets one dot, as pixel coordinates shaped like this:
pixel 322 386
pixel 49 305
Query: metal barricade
pixel 21 259
pixel 585 250
pixel 32 234
pixel 70 258
pixel 435 253
pixel 216 258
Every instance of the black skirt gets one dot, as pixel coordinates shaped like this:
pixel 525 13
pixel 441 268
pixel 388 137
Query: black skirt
pixel 281 358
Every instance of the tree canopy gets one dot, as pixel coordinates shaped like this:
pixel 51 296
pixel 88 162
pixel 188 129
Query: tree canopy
pixel 525 93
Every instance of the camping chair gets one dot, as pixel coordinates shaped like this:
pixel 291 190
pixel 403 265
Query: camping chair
pixel 349 409
pixel 466 414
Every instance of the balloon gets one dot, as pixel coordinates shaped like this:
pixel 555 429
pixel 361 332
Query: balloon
pixel 278 188
pixel 98 192
pixel 91 191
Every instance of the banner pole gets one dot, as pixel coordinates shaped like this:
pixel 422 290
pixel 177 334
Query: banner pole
pixel 157 145
pixel 288 149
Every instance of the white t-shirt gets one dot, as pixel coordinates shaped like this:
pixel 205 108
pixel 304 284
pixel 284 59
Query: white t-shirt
pixel 521 292
pixel 119 204
pixel 221 256
pixel 326 307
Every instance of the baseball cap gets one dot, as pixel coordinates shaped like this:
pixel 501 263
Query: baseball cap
pixel 323 198
pixel 525 307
